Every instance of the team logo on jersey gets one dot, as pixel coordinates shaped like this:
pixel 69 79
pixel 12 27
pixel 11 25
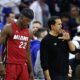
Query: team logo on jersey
pixel 19 37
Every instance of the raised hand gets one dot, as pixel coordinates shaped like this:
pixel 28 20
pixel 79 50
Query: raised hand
pixel 65 36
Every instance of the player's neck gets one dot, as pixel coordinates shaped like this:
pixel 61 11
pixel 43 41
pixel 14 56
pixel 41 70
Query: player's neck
pixel 19 25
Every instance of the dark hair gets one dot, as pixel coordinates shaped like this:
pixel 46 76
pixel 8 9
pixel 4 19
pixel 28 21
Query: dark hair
pixel 27 13
pixel 52 20
pixel 37 22
pixel 8 14
pixel 39 31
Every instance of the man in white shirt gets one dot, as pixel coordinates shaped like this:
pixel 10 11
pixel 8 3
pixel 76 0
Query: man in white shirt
pixel 41 12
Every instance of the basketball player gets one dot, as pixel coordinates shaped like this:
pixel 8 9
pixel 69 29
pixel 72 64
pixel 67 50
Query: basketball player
pixel 18 57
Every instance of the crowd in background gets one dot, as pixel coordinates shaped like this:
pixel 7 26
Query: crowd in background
pixel 43 9
pixel 68 10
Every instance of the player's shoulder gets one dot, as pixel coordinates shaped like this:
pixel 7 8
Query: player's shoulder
pixel 7 26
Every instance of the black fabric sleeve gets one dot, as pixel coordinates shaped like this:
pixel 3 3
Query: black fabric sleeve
pixel 44 55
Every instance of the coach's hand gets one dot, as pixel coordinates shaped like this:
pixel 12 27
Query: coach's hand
pixel 65 36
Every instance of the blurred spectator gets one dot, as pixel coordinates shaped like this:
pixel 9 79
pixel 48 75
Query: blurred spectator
pixel 65 20
pixel 10 17
pixel 74 14
pixel 53 6
pixel 35 47
pixel 64 5
pixel 78 20
pixel 41 12
pixel 24 4
pixel 77 72
pixel 35 26
pixel 76 60
pixel 75 2
pixel 10 6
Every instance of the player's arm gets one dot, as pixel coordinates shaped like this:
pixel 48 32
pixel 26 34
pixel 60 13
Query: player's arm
pixel 5 32
pixel 29 62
